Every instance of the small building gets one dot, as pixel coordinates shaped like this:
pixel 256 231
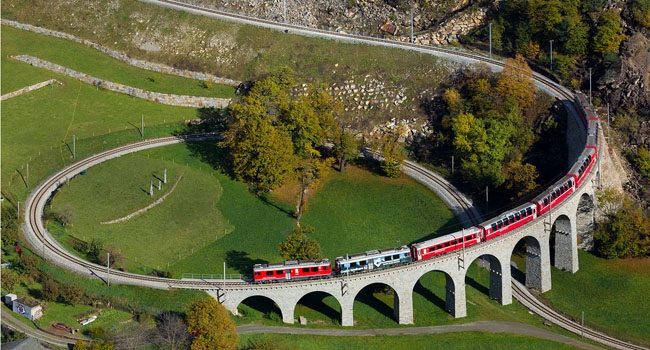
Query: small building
pixel 9 299
pixel 30 310
pixel 389 28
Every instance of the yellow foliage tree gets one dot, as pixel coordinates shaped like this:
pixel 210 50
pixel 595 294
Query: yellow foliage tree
pixel 211 325
pixel 515 82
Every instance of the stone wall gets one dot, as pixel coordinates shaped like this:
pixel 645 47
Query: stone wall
pixel 168 99
pixel 28 89
pixel 155 67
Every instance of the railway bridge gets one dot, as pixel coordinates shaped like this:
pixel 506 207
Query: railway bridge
pixel 555 230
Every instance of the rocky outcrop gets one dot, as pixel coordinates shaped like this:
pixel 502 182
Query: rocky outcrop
pixel 627 82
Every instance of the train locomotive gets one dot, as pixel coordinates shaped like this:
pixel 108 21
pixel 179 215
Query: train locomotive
pixel 490 229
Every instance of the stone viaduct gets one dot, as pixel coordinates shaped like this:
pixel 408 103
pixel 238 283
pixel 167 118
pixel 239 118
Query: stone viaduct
pixel 556 230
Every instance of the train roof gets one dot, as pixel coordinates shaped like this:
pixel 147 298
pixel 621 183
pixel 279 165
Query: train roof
pixel 374 253
pixel 509 213
pixel 550 190
pixel 291 264
pixel 448 237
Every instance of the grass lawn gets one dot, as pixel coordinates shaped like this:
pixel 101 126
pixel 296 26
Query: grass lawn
pixel 210 218
pixel 87 60
pixel 465 340
pixel 612 294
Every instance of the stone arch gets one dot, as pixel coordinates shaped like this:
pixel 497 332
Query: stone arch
pixel 316 301
pixel 370 295
pixel 452 287
pixel 263 304
pixel 536 271
pixel 499 287
pixel 563 243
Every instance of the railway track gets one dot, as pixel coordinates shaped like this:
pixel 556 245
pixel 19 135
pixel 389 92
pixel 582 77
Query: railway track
pixel 44 243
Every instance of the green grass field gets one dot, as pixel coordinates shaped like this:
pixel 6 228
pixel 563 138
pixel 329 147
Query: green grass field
pixel 87 60
pixel 210 218
pixel 465 340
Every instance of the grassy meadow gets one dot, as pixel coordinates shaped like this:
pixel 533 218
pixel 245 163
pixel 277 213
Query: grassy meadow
pixel 464 340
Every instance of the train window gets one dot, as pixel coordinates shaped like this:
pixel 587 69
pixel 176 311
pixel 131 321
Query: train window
pixel 500 224
pixel 517 216
pixel 305 269
pixel 257 273
pixel 512 219
pixel 269 273
pixel 546 201
pixel 314 269
pixel 529 211
pixel 494 227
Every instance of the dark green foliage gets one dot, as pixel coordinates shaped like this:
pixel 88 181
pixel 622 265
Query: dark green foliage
pixel 298 246
pixel 96 332
pixel 640 10
pixel 625 234
pixel 608 35
pixel 9 225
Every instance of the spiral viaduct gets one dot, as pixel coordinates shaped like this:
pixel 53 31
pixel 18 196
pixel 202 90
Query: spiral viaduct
pixel 494 254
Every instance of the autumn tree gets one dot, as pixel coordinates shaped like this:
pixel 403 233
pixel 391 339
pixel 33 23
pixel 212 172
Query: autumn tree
pixel 298 245
pixel 49 288
pixel 261 153
pixel 516 82
pixel 609 36
pixel 276 135
pixel 211 325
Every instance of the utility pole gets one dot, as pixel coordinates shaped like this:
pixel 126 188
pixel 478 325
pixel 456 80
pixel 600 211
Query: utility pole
pixel 165 176
pixel 27 180
pixel 490 26
pixel 412 41
pixel 486 200
pixel 142 125
pixel 108 269
pixel 589 86
pixel 551 41
pixel 285 11
pixel 74 147
pixel 224 274
pixel 452 166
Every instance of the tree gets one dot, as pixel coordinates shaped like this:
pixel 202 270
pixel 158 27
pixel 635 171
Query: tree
pixel 72 294
pixel 9 225
pixel 392 154
pixel 641 12
pixel 262 153
pixel 171 331
pixel 609 36
pixel 298 246
pixel 520 177
pixel 79 345
pixel 211 325
pixel 49 288
pixel 346 148
pixel 626 234
pixel 114 255
pixel 516 82
pixel 65 215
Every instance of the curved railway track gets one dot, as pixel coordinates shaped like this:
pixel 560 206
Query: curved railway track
pixel 42 241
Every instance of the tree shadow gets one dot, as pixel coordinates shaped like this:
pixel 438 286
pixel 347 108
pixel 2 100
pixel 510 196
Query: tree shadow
pixel 314 301
pixel 262 304
pixel 240 261
pixel 476 285
pixel 265 198
pixel 367 297
pixel 429 295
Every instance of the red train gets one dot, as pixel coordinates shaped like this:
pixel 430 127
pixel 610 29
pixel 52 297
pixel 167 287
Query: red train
pixel 518 217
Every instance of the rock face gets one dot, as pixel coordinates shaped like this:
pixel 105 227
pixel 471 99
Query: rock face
pixel 627 82
pixel 433 23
